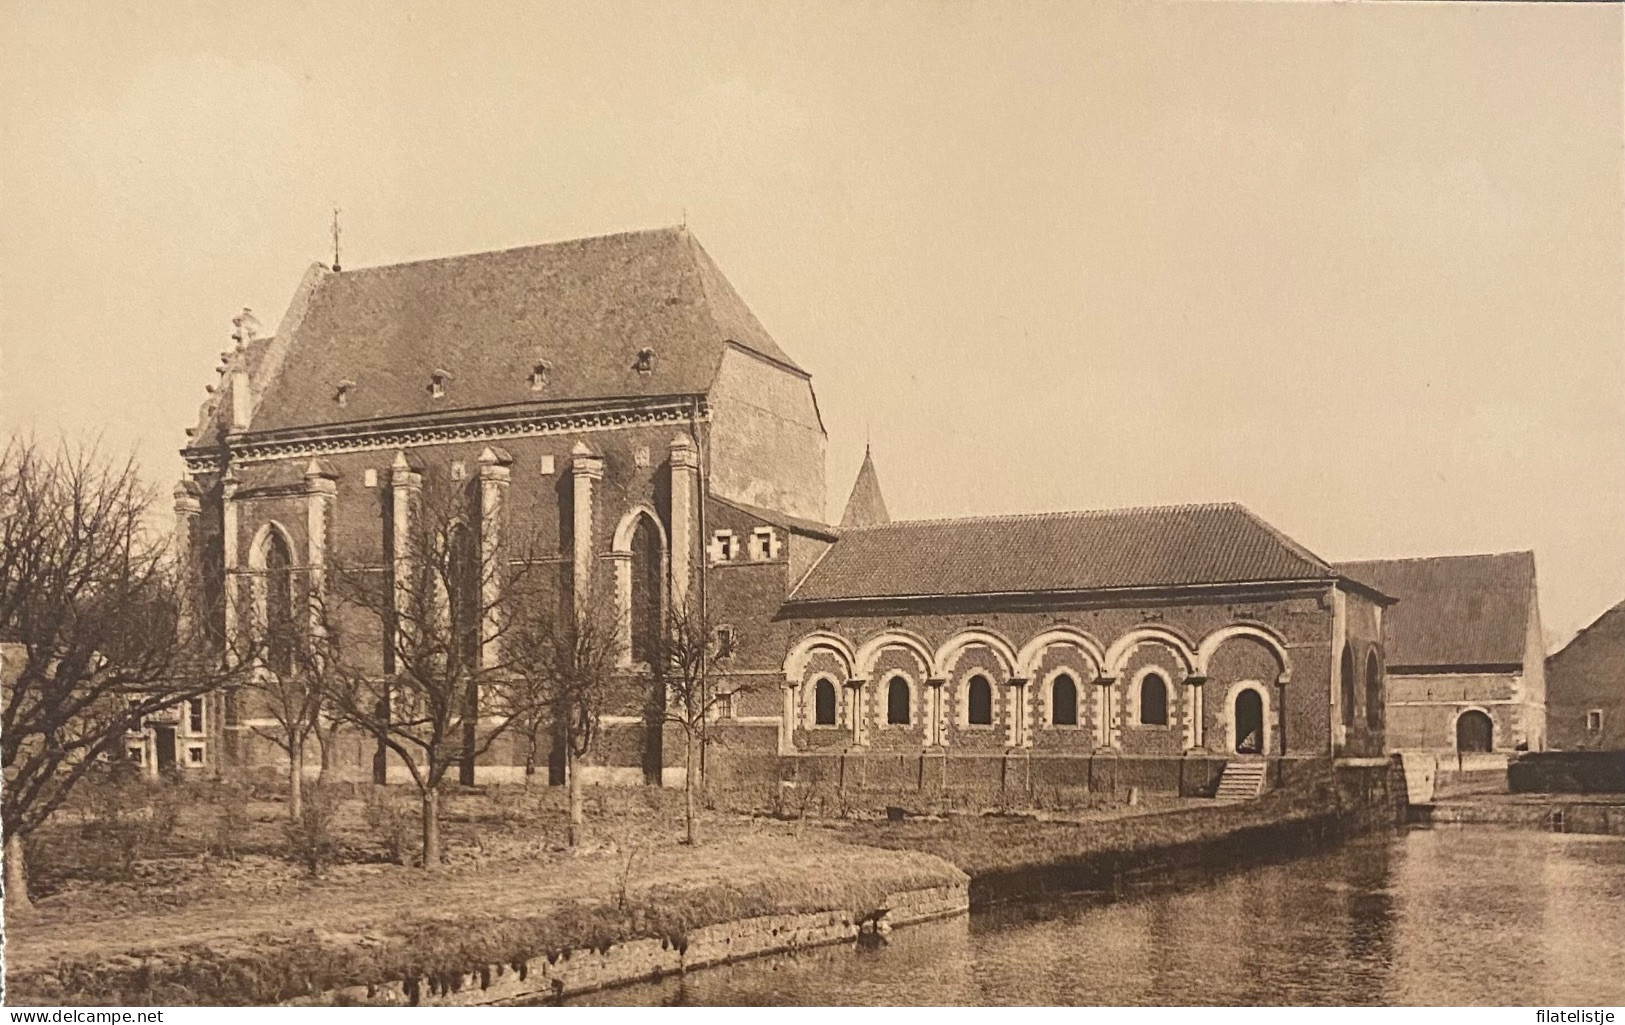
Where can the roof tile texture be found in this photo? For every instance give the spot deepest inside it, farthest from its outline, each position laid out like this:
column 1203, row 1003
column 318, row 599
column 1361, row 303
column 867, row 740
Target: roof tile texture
column 583, row 308
column 1157, row 547
column 1454, row 610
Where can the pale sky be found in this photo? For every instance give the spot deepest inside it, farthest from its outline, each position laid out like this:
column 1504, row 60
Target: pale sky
column 1357, row 266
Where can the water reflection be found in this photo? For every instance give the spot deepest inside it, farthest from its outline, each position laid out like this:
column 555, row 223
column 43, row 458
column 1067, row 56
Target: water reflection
column 1449, row 916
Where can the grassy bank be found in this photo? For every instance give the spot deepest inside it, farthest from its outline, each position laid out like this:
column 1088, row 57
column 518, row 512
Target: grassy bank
column 407, row 927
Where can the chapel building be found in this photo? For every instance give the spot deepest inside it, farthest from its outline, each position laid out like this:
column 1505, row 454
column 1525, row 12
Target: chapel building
column 613, row 402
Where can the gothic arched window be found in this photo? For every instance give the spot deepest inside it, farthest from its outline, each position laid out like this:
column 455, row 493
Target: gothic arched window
column 824, row 703
column 979, row 704
column 1373, row 691
column 279, row 622
column 897, row 702
column 1346, row 690
column 1153, row 700
column 463, row 595
column 644, row 613
column 1063, row 701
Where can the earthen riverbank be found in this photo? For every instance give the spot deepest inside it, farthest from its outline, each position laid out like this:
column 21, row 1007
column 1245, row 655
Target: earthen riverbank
column 533, row 929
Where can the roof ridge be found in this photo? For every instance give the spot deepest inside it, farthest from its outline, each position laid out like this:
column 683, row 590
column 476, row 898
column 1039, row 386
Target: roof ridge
column 1295, row 547
column 674, row 230
column 1053, row 514
column 1436, row 558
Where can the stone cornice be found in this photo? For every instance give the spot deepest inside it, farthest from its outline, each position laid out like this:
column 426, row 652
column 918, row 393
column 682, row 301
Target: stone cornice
column 1039, row 601
column 463, row 426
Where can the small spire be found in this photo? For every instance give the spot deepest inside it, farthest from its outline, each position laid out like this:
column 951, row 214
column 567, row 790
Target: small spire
column 866, row 507
column 336, row 267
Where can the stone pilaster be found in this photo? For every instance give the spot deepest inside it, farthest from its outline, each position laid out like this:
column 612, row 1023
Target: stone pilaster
column 936, row 709
column 1196, row 711
column 1020, row 734
column 855, row 711
column 229, row 544
column 685, row 488
column 321, row 492
column 787, row 719
column 586, row 470
column 406, row 485
column 495, row 477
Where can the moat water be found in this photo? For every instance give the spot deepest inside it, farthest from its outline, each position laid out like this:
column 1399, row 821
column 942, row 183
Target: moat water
column 1474, row 915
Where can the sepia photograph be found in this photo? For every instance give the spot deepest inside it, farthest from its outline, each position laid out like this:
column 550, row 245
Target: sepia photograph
column 889, row 503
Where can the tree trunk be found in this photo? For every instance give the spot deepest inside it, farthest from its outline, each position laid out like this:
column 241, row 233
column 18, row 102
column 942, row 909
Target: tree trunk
column 431, row 828
column 18, row 904
column 688, row 787
column 325, row 740
column 572, row 779
column 296, row 777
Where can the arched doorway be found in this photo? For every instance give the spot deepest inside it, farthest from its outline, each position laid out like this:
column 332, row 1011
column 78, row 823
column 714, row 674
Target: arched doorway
column 1249, row 720
column 1475, row 732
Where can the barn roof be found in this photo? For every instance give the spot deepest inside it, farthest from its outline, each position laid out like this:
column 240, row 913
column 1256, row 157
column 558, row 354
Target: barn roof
column 583, row 310
column 1607, row 630
column 1166, row 546
column 1456, row 610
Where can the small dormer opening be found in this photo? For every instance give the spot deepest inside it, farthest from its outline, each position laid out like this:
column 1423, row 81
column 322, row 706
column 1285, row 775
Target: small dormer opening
column 764, row 544
column 341, row 393
column 539, row 373
column 437, row 384
column 724, row 546
column 646, row 361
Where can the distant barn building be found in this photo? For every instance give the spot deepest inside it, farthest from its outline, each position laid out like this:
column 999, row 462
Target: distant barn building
column 1585, row 687
column 1466, row 665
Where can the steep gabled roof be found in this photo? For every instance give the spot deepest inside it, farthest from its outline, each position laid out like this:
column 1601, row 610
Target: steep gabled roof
column 866, row 507
column 1455, row 610
column 1607, row 631
column 585, row 308
column 1169, row 546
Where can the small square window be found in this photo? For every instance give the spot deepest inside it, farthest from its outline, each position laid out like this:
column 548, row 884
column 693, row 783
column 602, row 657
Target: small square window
column 194, row 755
column 1594, row 721
column 724, row 641
column 723, row 546
column 538, row 374
column 135, row 755
column 764, row 544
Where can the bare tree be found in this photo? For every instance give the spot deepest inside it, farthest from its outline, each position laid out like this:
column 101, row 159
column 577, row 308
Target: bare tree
column 289, row 681
column 444, row 610
column 567, row 656
column 695, row 648
column 102, row 626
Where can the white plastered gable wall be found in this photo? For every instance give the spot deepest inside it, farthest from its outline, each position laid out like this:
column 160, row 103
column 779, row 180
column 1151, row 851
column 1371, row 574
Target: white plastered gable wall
column 767, row 439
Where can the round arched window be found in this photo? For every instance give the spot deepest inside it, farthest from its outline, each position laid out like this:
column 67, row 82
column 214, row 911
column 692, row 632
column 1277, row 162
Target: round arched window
column 824, row 703
column 979, row 702
column 897, row 702
column 1063, row 701
column 1153, row 700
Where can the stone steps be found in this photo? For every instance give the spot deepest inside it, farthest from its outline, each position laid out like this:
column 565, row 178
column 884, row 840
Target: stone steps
column 1242, row 781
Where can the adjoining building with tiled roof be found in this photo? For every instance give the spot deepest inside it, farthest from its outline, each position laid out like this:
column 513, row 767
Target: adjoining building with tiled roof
column 1466, row 661
column 1585, row 687
column 612, row 403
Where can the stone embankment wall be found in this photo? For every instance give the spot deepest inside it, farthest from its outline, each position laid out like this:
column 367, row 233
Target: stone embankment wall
column 582, row 971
